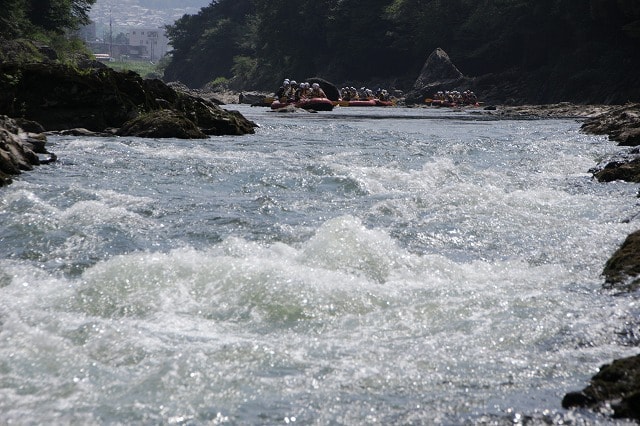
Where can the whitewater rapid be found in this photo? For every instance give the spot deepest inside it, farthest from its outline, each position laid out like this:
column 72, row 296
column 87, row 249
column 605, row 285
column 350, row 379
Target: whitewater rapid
column 349, row 267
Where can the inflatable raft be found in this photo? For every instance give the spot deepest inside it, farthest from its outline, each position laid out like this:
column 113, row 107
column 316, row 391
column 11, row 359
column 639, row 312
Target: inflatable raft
column 316, row 104
column 365, row 103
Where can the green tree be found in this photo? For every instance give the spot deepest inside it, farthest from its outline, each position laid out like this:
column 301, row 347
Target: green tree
column 58, row 15
column 204, row 45
column 24, row 17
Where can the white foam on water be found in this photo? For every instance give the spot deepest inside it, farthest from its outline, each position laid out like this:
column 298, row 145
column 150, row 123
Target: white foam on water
column 456, row 290
column 348, row 312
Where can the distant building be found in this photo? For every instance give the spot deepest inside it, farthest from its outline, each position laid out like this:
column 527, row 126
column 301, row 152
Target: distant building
column 154, row 39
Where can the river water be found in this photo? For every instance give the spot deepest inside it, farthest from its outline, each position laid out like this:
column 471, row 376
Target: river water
column 360, row 266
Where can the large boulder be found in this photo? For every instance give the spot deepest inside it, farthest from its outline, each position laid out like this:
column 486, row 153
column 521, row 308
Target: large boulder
column 162, row 124
column 437, row 69
column 438, row 73
column 328, row 88
column 63, row 97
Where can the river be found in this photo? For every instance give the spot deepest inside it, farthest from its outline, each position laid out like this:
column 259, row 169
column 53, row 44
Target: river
column 360, row 266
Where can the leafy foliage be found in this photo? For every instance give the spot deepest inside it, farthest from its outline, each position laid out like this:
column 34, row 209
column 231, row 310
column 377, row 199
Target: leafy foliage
column 21, row 18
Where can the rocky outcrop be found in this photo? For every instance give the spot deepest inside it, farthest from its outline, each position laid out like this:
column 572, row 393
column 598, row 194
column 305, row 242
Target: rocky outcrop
column 438, row 69
column 254, row 98
column 162, row 124
column 616, row 384
column 19, row 150
column 623, row 166
column 621, row 123
column 61, row 97
column 437, row 74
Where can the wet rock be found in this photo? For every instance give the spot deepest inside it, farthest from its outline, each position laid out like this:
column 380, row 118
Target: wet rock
column 617, row 384
column 253, row 98
column 437, row 69
column 625, row 168
column 30, row 125
column 61, row 97
column 212, row 119
column 80, row 131
column 557, row 110
column 622, row 269
column 621, row 123
column 162, row 124
column 438, row 73
column 292, row 109
column 16, row 154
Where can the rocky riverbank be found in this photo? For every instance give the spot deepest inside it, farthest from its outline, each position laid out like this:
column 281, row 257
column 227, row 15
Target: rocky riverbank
column 20, row 150
column 41, row 95
column 102, row 100
column 616, row 387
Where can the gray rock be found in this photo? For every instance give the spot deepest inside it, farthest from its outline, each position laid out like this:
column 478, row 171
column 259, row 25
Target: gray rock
column 438, row 73
column 16, row 154
column 438, row 69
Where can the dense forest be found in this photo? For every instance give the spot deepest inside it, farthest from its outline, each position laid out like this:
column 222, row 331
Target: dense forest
column 42, row 18
column 550, row 50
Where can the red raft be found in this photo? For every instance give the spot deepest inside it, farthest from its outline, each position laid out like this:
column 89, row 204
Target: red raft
column 366, row 103
column 316, row 104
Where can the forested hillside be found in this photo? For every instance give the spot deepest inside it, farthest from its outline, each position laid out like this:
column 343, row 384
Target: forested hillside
column 29, row 18
column 539, row 50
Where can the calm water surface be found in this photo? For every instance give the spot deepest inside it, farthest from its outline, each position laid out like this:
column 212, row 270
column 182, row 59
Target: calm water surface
column 360, row 266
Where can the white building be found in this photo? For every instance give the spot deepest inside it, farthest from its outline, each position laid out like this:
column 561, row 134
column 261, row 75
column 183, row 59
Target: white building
column 154, row 39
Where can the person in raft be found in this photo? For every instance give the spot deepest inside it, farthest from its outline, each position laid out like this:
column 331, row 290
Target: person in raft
column 280, row 93
column 290, row 93
column 304, row 91
column 316, row 91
